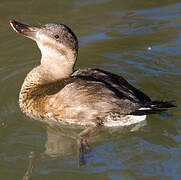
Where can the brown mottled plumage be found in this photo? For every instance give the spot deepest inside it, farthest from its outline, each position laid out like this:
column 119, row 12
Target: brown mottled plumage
column 42, row 100
column 55, row 91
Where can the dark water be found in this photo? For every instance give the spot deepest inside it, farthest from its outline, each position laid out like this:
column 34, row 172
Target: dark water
column 139, row 39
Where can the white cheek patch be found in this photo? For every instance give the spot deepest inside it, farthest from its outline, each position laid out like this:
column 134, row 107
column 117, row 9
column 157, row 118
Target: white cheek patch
column 47, row 51
column 54, row 50
column 43, row 38
column 50, row 48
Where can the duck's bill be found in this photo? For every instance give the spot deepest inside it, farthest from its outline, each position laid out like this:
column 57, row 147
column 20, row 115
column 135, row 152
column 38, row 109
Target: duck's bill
column 26, row 30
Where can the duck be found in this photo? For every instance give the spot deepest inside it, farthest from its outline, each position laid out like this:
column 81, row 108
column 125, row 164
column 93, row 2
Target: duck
column 91, row 97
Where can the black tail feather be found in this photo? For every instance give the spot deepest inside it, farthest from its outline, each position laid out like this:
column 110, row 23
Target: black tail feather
column 161, row 104
column 153, row 107
column 147, row 112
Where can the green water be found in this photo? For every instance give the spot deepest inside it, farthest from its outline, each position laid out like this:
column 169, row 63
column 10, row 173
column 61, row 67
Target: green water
column 140, row 40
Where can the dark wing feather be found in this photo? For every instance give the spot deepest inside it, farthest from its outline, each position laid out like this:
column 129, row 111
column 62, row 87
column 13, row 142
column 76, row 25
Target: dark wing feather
column 115, row 81
column 126, row 91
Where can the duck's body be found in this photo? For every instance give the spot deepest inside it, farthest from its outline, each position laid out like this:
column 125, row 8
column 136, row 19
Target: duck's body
column 54, row 91
column 87, row 97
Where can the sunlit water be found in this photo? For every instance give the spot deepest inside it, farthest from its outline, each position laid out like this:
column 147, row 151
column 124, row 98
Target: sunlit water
column 140, row 40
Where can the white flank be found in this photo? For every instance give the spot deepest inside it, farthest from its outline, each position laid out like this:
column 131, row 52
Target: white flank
column 126, row 121
column 144, row 108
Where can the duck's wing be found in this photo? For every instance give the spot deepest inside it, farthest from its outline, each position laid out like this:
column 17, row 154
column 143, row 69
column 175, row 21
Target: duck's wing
column 139, row 102
column 115, row 81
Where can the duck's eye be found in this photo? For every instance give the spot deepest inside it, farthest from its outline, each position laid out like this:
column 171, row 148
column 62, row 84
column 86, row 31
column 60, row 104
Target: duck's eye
column 56, row 36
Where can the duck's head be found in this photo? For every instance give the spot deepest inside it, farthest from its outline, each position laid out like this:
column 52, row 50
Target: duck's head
column 57, row 43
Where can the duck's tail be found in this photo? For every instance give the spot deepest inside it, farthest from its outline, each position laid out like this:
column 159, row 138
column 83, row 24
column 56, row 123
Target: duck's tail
column 153, row 107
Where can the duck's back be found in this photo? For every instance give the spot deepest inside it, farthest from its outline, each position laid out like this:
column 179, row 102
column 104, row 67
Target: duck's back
column 115, row 82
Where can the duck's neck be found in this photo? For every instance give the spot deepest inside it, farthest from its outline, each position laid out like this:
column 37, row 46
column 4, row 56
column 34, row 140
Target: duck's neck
column 57, row 61
column 52, row 69
column 56, row 65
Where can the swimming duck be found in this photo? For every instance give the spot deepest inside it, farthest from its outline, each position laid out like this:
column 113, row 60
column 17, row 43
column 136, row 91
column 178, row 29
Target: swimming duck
column 54, row 91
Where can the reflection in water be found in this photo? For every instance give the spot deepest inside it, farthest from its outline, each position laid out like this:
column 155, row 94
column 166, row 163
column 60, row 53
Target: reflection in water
column 61, row 140
column 30, row 167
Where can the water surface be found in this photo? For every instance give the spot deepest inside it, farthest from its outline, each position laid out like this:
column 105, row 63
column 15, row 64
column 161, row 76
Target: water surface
column 140, row 40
